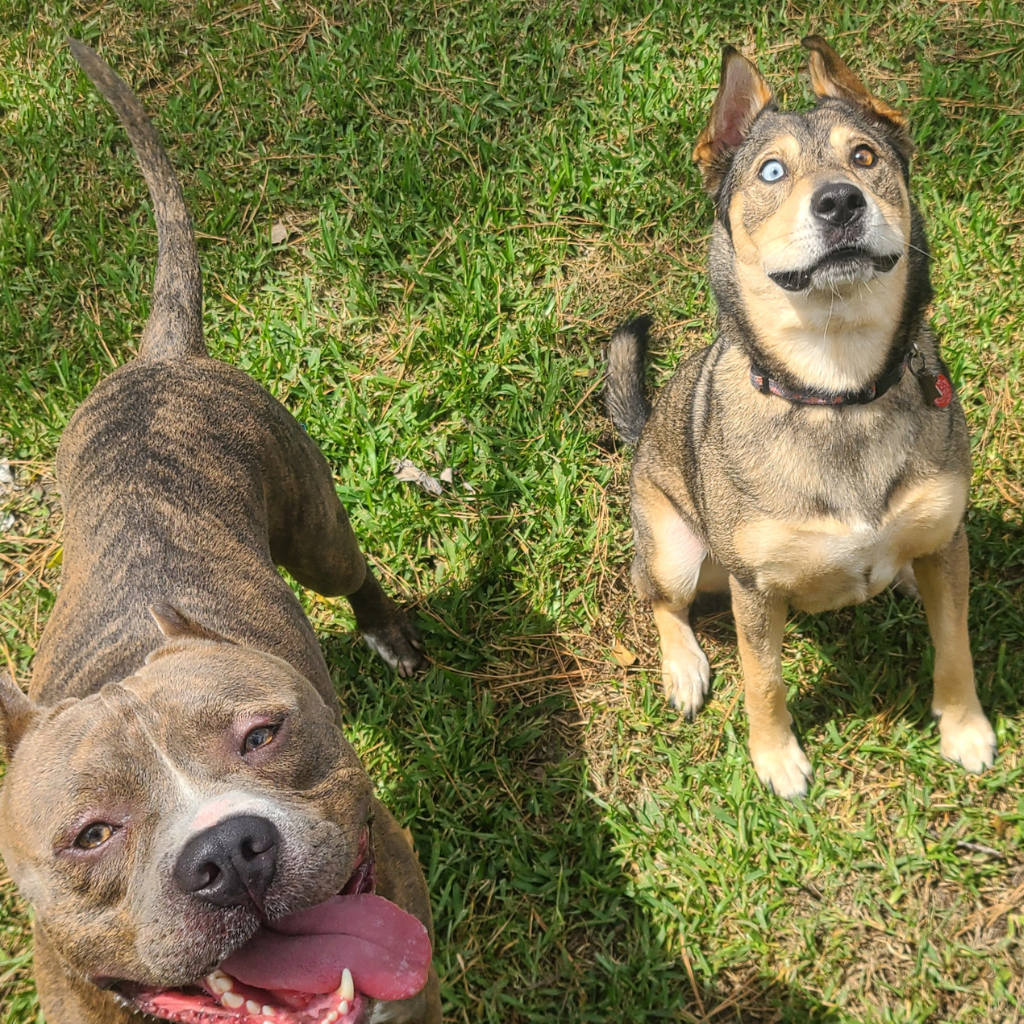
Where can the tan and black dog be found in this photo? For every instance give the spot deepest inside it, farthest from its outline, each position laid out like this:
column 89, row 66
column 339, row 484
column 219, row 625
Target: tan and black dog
column 816, row 451
column 198, row 840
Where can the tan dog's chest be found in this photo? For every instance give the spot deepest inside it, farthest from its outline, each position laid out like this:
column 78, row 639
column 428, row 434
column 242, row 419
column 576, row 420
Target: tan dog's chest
column 827, row 562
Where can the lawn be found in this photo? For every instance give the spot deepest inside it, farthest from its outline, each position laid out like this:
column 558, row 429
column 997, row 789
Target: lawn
column 418, row 223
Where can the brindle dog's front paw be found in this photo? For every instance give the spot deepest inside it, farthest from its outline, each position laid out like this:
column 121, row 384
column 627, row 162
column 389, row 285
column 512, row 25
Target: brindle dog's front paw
column 783, row 767
column 398, row 643
column 968, row 739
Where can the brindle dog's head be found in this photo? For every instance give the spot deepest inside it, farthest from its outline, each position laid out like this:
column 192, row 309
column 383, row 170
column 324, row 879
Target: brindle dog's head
column 816, row 238
column 157, row 825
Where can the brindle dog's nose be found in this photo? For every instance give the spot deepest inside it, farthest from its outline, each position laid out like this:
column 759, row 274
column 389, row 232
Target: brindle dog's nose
column 230, row 864
column 838, row 203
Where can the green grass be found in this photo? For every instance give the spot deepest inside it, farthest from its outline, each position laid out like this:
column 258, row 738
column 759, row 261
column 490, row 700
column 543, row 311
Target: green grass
column 478, row 192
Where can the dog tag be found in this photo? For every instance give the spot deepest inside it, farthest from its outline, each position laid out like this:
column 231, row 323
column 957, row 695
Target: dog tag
column 937, row 390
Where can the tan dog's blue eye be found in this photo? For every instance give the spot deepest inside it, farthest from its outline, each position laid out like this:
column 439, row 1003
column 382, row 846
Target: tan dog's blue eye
column 94, row 835
column 259, row 737
column 864, row 156
column 771, row 170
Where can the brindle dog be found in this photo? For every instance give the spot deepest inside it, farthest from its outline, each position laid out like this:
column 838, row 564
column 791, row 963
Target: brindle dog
column 181, row 808
column 816, row 451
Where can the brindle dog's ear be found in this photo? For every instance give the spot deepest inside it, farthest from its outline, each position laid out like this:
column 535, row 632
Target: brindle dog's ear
column 176, row 625
column 16, row 715
column 831, row 78
column 742, row 95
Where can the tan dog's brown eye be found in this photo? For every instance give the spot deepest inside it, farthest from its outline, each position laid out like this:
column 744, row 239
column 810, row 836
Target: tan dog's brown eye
column 94, row 835
column 259, row 737
column 864, row 156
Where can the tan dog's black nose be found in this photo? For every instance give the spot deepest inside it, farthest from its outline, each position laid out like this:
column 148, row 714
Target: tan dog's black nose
column 838, row 203
column 230, row 864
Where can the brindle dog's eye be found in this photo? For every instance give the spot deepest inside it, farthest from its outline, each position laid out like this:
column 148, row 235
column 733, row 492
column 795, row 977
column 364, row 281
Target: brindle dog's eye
column 259, row 737
column 94, row 835
column 864, row 156
column 771, row 170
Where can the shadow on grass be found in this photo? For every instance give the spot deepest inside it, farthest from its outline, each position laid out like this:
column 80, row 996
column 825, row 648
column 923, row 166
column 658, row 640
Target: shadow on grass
column 485, row 759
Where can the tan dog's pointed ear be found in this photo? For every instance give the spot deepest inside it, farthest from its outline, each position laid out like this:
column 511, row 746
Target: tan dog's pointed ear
column 832, row 78
column 176, row 625
column 16, row 715
column 742, row 95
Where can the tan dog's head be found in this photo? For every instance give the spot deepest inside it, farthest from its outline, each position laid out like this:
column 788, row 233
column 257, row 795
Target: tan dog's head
column 205, row 810
column 816, row 238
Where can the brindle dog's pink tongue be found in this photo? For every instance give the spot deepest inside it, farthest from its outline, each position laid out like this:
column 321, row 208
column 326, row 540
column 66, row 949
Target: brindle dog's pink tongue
column 386, row 949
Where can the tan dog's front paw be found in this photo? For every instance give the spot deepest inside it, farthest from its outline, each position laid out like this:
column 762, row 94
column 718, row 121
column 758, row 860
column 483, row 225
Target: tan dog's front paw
column 782, row 767
column 686, row 676
column 968, row 739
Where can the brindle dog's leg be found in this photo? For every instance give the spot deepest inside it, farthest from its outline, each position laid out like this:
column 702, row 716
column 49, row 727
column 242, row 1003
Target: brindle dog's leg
column 667, row 571
column 778, row 760
column 310, row 535
column 942, row 578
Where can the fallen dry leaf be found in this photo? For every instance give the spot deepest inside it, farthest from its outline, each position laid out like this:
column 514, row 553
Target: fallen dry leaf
column 408, row 472
column 622, row 655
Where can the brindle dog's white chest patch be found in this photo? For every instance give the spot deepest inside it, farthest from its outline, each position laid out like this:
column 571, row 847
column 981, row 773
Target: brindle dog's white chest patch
column 830, row 563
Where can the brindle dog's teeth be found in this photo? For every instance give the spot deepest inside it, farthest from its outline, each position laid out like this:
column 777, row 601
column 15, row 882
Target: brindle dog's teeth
column 220, row 982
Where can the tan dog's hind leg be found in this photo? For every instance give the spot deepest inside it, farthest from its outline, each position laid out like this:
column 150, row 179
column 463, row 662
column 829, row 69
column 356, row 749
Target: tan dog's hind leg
column 685, row 671
column 668, row 563
column 778, row 760
column 942, row 579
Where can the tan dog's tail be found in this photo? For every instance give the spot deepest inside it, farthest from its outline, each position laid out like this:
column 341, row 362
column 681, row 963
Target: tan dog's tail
column 175, row 326
column 624, row 380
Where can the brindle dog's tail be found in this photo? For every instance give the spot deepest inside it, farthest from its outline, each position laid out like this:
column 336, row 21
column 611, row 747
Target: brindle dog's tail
column 624, row 381
column 175, row 326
